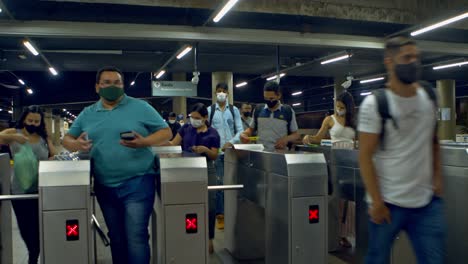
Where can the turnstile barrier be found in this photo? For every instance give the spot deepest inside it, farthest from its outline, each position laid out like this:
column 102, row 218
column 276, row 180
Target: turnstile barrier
column 65, row 212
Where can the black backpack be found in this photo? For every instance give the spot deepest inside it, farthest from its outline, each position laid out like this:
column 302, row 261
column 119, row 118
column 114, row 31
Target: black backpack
column 382, row 104
column 231, row 109
column 288, row 115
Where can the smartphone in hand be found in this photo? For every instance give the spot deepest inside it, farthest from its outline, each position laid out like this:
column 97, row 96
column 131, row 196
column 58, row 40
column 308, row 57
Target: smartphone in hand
column 129, row 135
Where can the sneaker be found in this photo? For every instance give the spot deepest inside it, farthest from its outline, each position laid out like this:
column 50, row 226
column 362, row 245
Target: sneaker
column 220, row 222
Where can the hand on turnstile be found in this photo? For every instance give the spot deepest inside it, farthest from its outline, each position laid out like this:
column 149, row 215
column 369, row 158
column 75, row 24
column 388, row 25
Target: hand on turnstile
column 281, row 143
column 200, row 149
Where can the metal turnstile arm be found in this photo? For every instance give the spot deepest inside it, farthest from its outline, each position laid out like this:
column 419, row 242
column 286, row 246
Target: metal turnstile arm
column 225, row 187
column 19, row 197
column 97, row 226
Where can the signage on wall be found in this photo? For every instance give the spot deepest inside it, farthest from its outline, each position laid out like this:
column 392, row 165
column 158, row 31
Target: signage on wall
column 173, row 88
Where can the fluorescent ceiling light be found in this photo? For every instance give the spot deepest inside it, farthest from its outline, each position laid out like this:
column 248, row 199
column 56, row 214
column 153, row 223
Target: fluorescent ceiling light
column 366, row 93
column 440, row 24
column 372, row 80
column 241, row 84
column 296, row 93
column 344, row 57
column 450, row 65
column 276, row 76
column 0, row 10
column 30, row 47
column 184, row 52
column 224, row 10
column 21, row 81
column 297, row 104
column 64, row 110
column 53, row 71
column 132, row 83
column 1, row 109
column 30, row 91
column 10, row 111
column 160, row 74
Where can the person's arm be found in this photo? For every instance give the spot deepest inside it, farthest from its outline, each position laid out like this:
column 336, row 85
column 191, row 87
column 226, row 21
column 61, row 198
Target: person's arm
column 368, row 144
column 308, row 139
column 176, row 141
column 239, row 126
column 9, row 136
column 370, row 127
column 437, row 181
column 52, row 150
column 211, row 153
column 293, row 136
column 244, row 136
column 80, row 143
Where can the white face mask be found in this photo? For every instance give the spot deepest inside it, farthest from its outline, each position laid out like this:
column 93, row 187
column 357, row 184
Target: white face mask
column 196, row 123
column 171, row 122
column 221, row 97
column 341, row 112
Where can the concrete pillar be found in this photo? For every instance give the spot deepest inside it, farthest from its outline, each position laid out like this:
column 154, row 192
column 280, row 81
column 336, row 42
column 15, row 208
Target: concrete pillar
column 179, row 103
column 57, row 127
column 447, row 122
column 48, row 119
column 226, row 77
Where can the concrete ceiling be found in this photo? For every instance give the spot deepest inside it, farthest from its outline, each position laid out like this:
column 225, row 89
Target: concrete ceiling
column 140, row 35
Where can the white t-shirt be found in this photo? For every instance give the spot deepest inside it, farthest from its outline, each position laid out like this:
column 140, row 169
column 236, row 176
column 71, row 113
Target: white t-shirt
column 405, row 166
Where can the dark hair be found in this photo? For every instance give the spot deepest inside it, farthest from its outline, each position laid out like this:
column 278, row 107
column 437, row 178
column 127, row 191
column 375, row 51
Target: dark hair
column 172, row 114
column 108, row 69
column 393, row 45
column 348, row 100
column 41, row 131
column 223, row 86
column 272, row 87
column 202, row 110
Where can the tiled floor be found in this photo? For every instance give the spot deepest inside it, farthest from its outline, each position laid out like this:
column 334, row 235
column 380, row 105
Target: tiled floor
column 221, row 256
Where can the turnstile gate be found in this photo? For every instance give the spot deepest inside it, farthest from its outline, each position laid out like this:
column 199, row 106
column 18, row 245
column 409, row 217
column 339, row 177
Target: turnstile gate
column 65, row 212
column 179, row 227
column 455, row 193
column 281, row 214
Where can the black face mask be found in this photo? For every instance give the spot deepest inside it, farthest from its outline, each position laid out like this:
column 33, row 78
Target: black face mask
column 247, row 114
column 408, row 73
column 31, row 128
column 272, row 104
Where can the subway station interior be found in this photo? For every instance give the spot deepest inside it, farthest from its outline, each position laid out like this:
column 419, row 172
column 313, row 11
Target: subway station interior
column 305, row 203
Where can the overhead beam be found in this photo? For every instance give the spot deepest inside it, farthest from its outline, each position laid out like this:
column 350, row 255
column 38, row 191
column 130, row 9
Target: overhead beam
column 88, row 30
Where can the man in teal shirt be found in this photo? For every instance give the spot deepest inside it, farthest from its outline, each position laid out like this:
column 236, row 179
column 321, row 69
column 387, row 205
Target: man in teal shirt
column 123, row 168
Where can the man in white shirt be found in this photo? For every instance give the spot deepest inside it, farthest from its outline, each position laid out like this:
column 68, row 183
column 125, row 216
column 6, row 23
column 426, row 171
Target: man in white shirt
column 401, row 171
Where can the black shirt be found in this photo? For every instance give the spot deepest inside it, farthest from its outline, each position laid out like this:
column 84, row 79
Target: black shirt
column 174, row 128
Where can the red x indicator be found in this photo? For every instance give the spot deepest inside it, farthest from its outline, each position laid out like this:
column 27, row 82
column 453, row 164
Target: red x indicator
column 314, row 215
column 72, row 230
column 191, row 224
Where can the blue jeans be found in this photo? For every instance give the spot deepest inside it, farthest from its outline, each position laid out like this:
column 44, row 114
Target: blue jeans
column 219, row 164
column 425, row 227
column 127, row 210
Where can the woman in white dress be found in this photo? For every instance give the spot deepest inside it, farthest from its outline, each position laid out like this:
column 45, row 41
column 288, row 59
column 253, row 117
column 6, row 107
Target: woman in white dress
column 341, row 126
